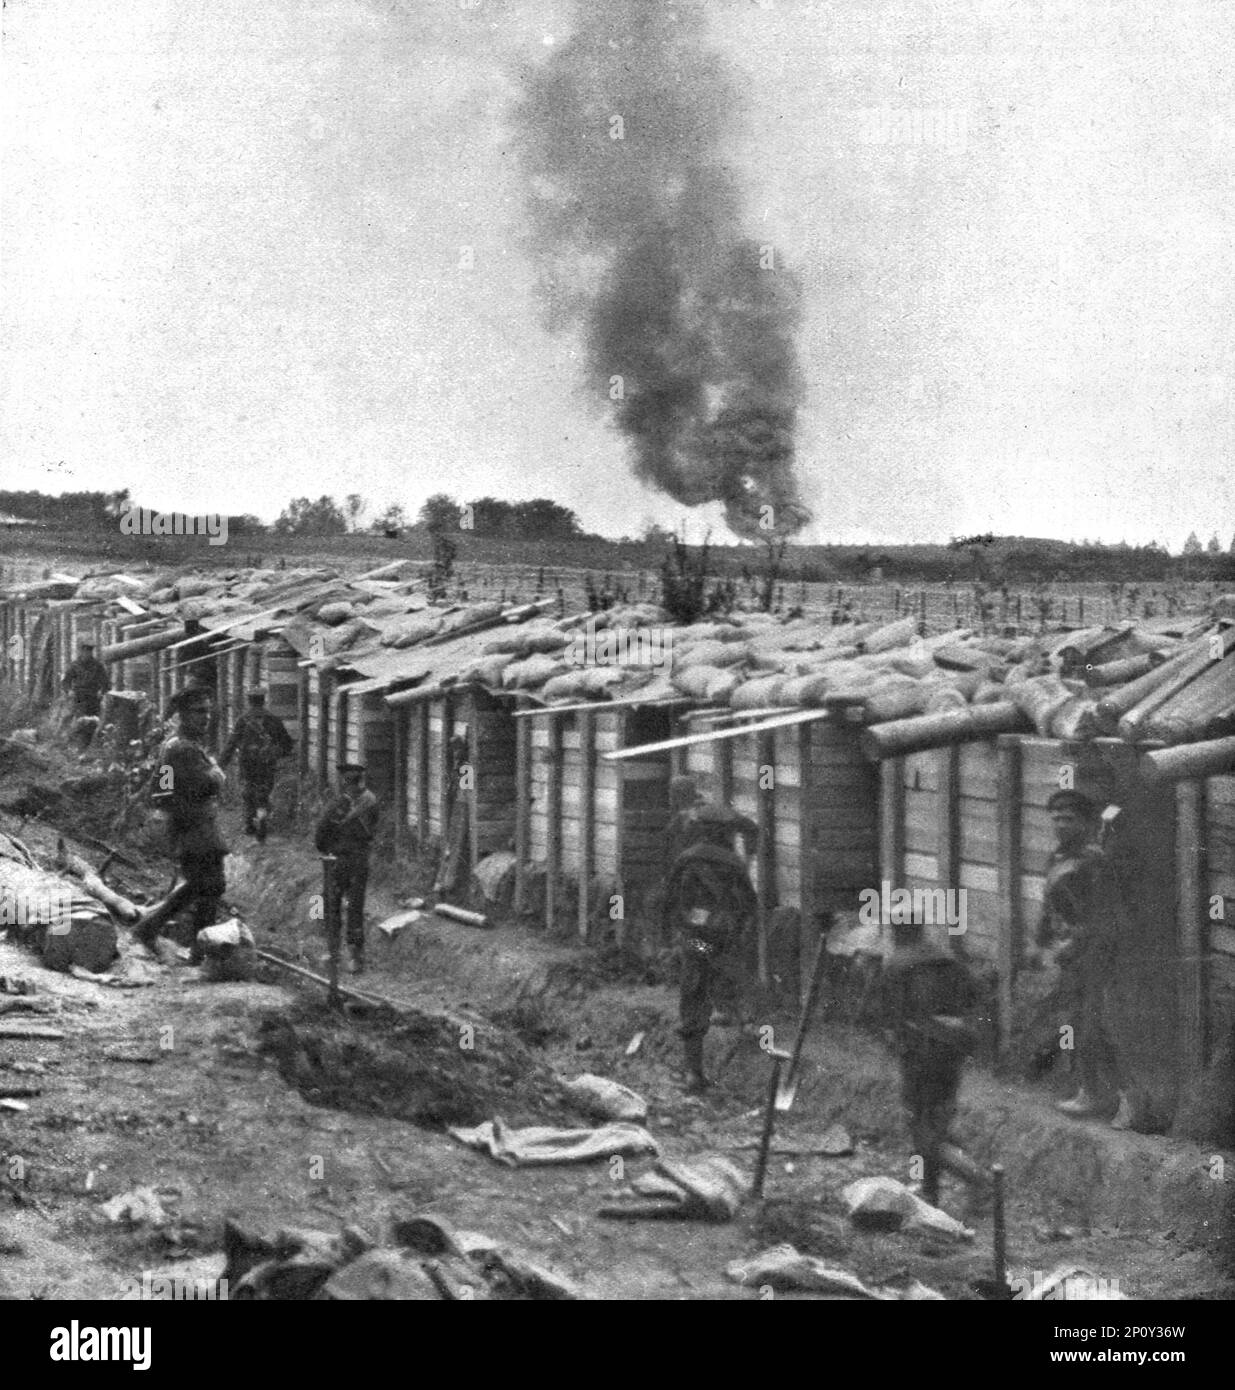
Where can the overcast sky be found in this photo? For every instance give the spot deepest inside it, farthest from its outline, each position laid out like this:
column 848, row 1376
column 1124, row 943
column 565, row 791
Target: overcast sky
column 232, row 236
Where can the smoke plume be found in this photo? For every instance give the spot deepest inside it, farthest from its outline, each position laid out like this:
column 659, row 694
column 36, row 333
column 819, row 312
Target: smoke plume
column 688, row 325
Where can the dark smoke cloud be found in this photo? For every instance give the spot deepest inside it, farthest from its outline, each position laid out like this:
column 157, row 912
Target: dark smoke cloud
column 639, row 245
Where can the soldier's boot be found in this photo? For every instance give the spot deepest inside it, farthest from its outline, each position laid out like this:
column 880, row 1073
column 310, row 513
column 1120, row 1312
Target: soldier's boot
column 1080, row 1107
column 696, row 1079
column 260, row 831
column 147, row 928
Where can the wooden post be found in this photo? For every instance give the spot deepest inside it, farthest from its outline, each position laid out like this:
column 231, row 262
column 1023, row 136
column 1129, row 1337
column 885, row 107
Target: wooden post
column 892, row 821
column 1190, row 928
column 302, row 715
column 523, row 808
column 947, row 807
column 401, row 716
column 423, row 754
column 473, row 792
column 766, row 887
column 446, row 791
column 553, row 823
column 587, row 814
column 724, row 753
column 1009, row 947
column 619, row 834
column 922, row 612
column 807, row 904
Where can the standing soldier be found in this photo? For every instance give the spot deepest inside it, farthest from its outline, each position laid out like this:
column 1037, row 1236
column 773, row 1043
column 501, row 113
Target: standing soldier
column 346, row 830
column 1081, row 911
column 262, row 740
column 88, row 682
column 709, row 907
column 186, row 786
column 928, row 1001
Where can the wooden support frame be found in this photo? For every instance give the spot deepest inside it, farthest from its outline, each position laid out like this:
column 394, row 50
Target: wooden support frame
column 1010, row 945
column 523, row 810
column 766, row 886
column 446, row 792
column 679, row 744
column 553, row 825
column 401, row 719
column 422, row 773
column 1190, row 869
column 947, row 803
column 892, row 821
column 586, row 725
column 809, row 938
column 473, row 794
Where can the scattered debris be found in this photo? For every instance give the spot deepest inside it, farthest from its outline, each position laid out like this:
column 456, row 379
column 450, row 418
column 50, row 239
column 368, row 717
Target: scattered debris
column 461, row 914
column 17, row 1092
column 609, row 1100
column 708, row 1188
column 883, row 1204
column 539, row 1144
column 140, row 1207
column 635, row 1044
column 17, row 1106
column 394, row 926
column 17, row 1033
column 782, row 1267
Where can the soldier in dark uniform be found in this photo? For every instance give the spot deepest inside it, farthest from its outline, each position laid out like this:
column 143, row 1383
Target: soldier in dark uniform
column 262, row 740
column 928, row 1001
column 684, row 804
column 1082, row 908
column 709, row 907
column 88, row 681
column 186, row 787
column 346, row 830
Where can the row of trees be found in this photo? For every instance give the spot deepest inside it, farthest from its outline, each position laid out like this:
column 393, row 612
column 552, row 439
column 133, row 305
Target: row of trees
column 538, row 519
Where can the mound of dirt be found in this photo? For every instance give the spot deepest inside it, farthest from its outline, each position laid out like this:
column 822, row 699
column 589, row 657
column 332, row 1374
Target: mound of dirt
column 431, row 1071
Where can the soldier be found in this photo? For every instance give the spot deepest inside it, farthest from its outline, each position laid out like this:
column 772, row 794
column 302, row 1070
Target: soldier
column 928, row 998
column 709, row 906
column 346, row 830
column 684, row 803
column 88, row 680
column 262, row 741
column 186, row 787
column 1081, row 910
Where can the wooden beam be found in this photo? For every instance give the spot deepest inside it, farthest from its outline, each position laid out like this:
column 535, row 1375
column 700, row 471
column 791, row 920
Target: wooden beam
column 523, row 811
column 553, row 824
column 400, row 780
column 892, row 821
column 473, row 795
column 600, row 706
column 808, row 934
column 619, row 827
column 947, row 809
column 446, row 790
column 766, row 887
column 587, row 813
column 1190, row 929
column 423, row 755
column 783, row 721
column 724, row 753
column 1010, row 945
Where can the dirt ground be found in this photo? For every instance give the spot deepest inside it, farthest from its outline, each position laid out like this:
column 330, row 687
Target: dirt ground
column 251, row 1100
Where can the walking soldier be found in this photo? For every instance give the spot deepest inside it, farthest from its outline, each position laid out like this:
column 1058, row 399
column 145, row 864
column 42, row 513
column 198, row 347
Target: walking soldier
column 262, row 740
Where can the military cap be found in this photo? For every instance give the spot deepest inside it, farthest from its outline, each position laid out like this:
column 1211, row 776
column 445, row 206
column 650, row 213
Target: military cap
column 714, row 815
column 1072, row 801
column 344, row 768
column 256, row 695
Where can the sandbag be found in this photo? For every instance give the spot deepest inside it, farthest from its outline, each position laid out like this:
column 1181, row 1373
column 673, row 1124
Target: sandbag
column 897, row 634
column 533, row 671
column 409, row 631
column 808, row 690
column 710, row 654
column 762, row 693
column 335, row 613
column 694, row 680
column 1040, row 698
column 720, row 688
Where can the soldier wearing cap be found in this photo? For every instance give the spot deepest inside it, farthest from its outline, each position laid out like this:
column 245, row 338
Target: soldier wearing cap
column 186, row 788
column 928, row 1003
column 1081, row 912
column 709, row 906
column 88, row 681
column 346, row 831
column 262, row 740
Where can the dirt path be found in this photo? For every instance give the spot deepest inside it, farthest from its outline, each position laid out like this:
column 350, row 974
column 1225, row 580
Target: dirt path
column 169, row 1086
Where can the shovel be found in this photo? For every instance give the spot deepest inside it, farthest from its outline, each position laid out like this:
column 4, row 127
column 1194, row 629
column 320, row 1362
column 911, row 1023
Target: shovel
column 788, row 1087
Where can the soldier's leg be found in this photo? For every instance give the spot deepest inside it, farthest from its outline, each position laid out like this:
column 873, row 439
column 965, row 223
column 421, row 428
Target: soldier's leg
column 916, row 1095
column 248, row 797
column 208, row 884
column 262, row 787
column 694, row 1011
column 355, row 915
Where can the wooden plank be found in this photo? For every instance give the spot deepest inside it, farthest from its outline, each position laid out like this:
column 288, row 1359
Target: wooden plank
column 766, row 820
column 400, row 781
column 422, row 770
column 923, row 866
column 947, row 807
column 892, row 820
column 553, row 824
column 724, row 755
column 1191, row 928
column 807, row 716
column 587, row 828
column 1010, row 943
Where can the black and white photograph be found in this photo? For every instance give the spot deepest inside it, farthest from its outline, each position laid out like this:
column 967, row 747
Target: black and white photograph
column 617, row 665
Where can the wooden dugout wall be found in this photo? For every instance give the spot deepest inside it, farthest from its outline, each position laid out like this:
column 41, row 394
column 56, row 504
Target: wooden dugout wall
column 588, row 821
